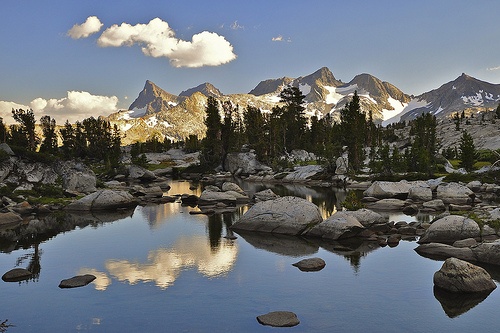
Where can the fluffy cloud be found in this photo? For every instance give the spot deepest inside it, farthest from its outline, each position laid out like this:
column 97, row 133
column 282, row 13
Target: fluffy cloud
column 77, row 105
column 157, row 39
column 493, row 68
column 6, row 110
column 278, row 38
column 89, row 27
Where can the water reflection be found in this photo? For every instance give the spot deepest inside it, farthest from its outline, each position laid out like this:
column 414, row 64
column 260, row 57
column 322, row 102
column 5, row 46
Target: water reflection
column 456, row 304
column 163, row 266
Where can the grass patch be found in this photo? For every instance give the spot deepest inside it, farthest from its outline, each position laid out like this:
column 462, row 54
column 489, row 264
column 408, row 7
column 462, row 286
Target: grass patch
column 455, row 163
column 162, row 165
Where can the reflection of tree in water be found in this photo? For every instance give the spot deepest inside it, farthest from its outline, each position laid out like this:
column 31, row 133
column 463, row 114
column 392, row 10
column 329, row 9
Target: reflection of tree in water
column 355, row 260
column 214, row 226
column 34, row 265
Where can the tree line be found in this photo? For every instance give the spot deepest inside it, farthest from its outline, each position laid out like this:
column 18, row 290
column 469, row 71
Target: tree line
column 92, row 138
column 273, row 135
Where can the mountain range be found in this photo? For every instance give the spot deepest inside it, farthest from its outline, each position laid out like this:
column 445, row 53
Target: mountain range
column 157, row 112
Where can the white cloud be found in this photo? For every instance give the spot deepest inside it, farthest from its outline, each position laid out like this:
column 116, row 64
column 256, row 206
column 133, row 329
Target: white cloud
column 278, row 38
column 78, row 105
column 89, row 27
column 158, row 40
column 493, row 68
column 6, row 110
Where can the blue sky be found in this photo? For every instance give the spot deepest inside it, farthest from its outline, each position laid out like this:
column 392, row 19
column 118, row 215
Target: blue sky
column 415, row 45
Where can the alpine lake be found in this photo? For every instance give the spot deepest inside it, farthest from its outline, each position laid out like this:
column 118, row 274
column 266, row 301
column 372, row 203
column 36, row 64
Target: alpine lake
column 161, row 269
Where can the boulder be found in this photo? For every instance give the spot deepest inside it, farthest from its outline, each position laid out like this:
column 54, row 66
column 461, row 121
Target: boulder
column 5, row 148
column 9, row 218
column 435, row 205
column 474, row 186
column 246, row 163
column 77, row 281
column 420, row 193
column 386, row 190
column 103, row 200
column 285, row 215
column 338, row 226
column 149, row 192
column 208, row 197
column 367, row 217
column 451, row 228
column 342, row 165
column 488, row 253
column 310, row 265
column 76, row 177
column 229, row 186
column 454, row 193
column 460, row 276
column 136, row 172
column 387, row 204
column 302, row 173
column 16, row 275
column 468, row 242
column 265, row 195
column 279, row 319
column 443, row 251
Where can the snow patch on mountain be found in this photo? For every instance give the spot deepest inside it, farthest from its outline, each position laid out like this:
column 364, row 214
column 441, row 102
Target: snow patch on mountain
column 397, row 106
column 414, row 104
column 304, row 88
column 135, row 113
column 333, row 96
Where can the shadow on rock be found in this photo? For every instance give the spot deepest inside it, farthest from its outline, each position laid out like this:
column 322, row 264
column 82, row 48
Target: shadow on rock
column 291, row 246
column 455, row 304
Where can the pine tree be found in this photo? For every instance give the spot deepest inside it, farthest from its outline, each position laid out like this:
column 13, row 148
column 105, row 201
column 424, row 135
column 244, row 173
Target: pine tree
column 68, row 139
column 468, row 154
column 26, row 120
column 212, row 146
column 255, row 131
column 292, row 116
column 353, row 125
column 49, row 143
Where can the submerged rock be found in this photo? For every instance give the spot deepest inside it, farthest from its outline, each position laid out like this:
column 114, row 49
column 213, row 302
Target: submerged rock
column 16, row 275
column 310, row 265
column 460, row 276
column 77, row 281
column 279, row 319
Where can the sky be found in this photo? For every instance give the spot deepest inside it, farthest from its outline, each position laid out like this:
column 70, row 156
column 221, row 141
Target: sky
column 75, row 59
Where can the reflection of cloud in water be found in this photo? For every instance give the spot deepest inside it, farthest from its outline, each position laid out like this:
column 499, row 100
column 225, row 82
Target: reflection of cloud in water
column 164, row 265
column 101, row 282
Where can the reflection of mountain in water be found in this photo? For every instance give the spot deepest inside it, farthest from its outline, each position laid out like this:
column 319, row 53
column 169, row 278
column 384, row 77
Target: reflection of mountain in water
column 157, row 215
column 164, row 266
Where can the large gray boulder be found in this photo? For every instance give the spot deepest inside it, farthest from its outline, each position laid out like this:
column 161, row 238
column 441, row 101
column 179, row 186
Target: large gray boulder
column 385, row 190
column 76, row 177
column 488, row 253
column 420, row 193
column 454, row 193
column 136, row 172
column 265, row 195
column 104, row 200
column 387, row 204
column 460, row 276
column 285, row 215
column 444, row 251
column 302, row 173
column 245, row 163
column 451, row 228
column 209, row 197
column 367, row 217
column 338, row 226
column 229, row 186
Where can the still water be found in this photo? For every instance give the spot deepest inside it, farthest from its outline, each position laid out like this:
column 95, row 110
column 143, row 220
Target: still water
column 160, row 269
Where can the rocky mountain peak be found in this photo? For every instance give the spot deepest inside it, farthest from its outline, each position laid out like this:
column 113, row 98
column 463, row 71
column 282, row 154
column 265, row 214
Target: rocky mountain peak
column 151, row 99
column 271, row 86
column 206, row 89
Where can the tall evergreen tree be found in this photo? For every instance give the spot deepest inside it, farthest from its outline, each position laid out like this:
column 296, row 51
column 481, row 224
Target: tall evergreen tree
column 3, row 131
column 68, row 139
column 424, row 146
column 468, row 154
column 292, row 116
column 26, row 120
column 353, row 126
column 49, row 143
column 255, row 131
column 212, row 145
